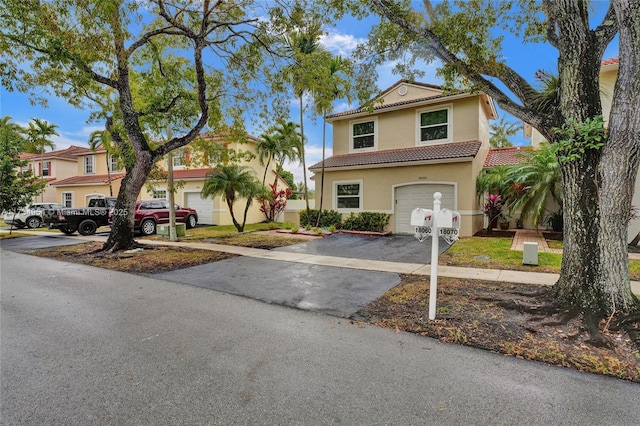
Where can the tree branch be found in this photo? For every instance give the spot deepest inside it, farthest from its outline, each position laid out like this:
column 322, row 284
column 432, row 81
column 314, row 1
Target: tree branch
column 552, row 35
column 148, row 36
column 519, row 86
column 606, row 31
column 162, row 110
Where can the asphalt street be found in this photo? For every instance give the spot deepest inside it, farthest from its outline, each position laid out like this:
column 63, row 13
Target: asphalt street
column 81, row 346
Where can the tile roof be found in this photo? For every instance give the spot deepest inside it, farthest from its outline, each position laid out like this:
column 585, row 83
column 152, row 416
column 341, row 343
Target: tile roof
column 191, row 173
column 504, row 156
column 407, row 155
column 610, row 61
column 395, row 104
column 69, row 153
column 88, row 179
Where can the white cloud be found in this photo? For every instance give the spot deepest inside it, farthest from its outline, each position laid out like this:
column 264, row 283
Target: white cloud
column 313, row 155
column 341, row 44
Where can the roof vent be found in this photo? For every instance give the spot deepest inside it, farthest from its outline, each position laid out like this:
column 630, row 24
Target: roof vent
column 402, row 90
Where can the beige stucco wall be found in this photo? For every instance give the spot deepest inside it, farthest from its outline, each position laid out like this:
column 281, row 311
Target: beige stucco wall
column 378, row 188
column 60, row 169
column 413, row 92
column 82, row 193
column 607, row 85
column 398, row 129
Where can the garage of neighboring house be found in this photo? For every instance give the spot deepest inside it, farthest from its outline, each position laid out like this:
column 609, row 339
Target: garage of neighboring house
column 204, row 207
column 411, row 196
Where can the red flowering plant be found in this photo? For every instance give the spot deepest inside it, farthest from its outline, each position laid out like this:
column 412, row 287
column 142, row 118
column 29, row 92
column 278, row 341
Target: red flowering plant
column 493, row 209
column 273, row 203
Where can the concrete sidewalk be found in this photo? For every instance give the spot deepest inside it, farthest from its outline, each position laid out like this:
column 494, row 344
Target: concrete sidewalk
column 498, row 275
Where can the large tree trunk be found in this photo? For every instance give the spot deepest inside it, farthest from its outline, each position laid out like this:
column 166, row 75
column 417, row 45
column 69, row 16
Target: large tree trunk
column 619, row 166
column 121, row 236
column 580, row 259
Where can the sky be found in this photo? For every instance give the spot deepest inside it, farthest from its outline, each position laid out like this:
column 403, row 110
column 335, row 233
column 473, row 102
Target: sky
column 342, row 38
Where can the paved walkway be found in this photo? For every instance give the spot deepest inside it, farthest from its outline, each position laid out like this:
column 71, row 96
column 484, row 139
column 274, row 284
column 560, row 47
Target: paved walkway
column 499, row 275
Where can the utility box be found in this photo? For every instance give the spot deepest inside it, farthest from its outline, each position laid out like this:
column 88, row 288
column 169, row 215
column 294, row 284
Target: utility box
column 530, row 254
column 163, row 230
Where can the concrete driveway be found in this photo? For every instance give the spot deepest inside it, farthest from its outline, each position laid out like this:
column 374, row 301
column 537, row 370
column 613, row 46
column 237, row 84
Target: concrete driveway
column 394, row 248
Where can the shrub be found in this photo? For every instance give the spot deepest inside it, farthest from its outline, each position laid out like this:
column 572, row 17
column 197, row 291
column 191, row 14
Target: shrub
column 367, row 221
column 328, row 218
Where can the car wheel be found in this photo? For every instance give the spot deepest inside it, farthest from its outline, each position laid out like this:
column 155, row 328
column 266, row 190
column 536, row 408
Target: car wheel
column 148, row 227
column 191, row 221
column 34, row 222
column 68, row 231
column 87, row 227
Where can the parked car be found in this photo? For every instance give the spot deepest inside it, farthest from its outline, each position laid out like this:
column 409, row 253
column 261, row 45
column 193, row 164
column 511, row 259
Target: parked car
column 30, row 216
column 85, row 220
column 149, row 214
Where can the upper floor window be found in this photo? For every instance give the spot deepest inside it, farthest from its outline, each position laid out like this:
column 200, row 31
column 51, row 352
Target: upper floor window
column 46, row 168
column 113, row 164
column 179, row 157
column 434, row 125
column 89, row 165
column 364, row 135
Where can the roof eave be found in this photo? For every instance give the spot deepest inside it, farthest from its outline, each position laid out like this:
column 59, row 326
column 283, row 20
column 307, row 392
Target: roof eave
column 396, row 164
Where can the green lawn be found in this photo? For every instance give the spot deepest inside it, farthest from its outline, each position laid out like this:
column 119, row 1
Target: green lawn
column 222, row 231
column 473, row 252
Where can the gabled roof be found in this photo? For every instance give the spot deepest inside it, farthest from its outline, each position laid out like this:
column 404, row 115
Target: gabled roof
column 432, row 98
column 88, row 180
column 65, row 154
column 406, row 156
column 505, row 156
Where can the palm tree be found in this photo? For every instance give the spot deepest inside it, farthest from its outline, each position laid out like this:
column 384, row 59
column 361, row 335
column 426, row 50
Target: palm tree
column 540, row 177
column 501, row 132
column 289, row 144
column 267, row 149
column 336, row 87
column 38, row 140
column 232, row 181
column 305, row 49
column 103, row 137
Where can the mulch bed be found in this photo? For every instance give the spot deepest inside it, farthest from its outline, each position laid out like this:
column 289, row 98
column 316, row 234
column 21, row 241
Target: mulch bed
column 503, row 318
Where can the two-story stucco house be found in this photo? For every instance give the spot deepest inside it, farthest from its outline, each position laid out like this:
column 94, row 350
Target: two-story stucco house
column 190, row 168
column 417, row 140
column 97, row 174
column 53, row 166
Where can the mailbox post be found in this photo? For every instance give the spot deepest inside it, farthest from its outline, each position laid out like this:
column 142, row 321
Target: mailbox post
column 436, row 223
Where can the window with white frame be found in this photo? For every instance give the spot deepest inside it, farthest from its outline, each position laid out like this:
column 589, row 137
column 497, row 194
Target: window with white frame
column 434, row 125
column 179, row 157
column 363, row 135
column 67, row 199
column 159, row 193
column 46, row 168
column 89, row 165
column 113, row 164
column 348, row 195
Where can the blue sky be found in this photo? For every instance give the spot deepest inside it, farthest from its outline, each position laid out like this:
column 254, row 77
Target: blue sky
column 340, row 39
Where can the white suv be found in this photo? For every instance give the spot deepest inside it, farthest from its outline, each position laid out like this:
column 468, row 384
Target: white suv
column 30, row 217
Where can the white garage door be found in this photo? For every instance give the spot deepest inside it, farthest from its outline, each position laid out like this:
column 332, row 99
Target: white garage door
column 411, row 196
column 204, row 207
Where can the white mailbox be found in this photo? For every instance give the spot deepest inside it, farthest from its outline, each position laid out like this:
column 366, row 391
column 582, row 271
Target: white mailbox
column 445, row 219
column 421, row 217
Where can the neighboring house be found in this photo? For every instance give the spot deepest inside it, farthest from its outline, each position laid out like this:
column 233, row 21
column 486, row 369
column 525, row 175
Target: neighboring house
column 53, row 166
column 190, row 171
column 91, row 178
column 417, row 140
column 608, row 76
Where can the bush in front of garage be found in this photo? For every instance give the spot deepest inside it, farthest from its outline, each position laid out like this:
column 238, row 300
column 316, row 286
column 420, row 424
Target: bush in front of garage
column 367, row 221
column 327, row 219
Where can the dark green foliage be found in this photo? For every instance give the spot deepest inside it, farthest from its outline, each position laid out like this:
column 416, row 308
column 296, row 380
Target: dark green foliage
column 327, row 218
column 367, row 221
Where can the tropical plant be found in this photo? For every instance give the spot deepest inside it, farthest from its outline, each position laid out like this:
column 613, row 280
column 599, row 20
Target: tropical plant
column 103, row 138
column 367, row 222
column 232, row 182
column 492, row 208
column 539, row 176
column 17, row 187
column 501, row 131
column 273, row 203
column 38, row 139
